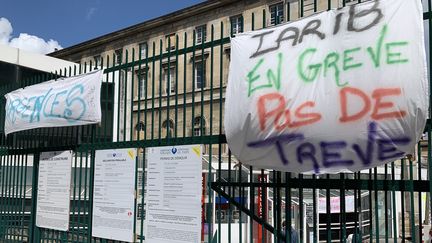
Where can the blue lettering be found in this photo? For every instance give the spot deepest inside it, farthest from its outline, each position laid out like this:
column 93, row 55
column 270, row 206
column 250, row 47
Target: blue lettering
column 387, row 149
column 307, row 151
column 366, row 156
column 55, row 102
column 333, row 158
column 70, row 100
column 38, row 106
column 28, row 107
column 45, row 105
column 278, row 140
column 331, row 151
column 66, row 104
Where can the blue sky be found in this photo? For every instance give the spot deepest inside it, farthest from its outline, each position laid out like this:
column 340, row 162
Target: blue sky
column 70, row 22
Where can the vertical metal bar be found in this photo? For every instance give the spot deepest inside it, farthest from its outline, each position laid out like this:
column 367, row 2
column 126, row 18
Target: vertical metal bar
column 412, row 213
column 142, row 196
column 221, row 76
column 301, row 208
column 193, row 83
column 33, row 235
column 343, row 225
column 211, row 79
column 160, row 89
column 140, row 95
column 75, row 204
column 419, row 178
column 395, row 235
column 120, row 81
column 184, row 85
column 288, row 213
column 125, row 83
column 230, row 192
column 241, row 200
column 153, row 91
column 168, row 93
column 146, row 96
column 251, row 204
column 386, row 192
column 371, row 232
column 264, row 196
column 429, row 142
column 402, row 178
column 176, row 87
column 132, row 95
column 328, row 213
column 315, row 213
column 377, row 228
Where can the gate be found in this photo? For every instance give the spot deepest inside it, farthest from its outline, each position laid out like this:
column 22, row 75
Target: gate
column 150, row 97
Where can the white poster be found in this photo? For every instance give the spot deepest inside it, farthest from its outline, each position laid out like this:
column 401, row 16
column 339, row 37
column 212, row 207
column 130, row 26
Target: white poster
column 339, row 91
column 174, row 187
column 55, row 103
column 114, row 194
column 53, row 195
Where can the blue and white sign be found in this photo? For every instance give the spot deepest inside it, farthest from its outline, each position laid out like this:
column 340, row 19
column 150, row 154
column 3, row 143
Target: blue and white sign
column 55, row 103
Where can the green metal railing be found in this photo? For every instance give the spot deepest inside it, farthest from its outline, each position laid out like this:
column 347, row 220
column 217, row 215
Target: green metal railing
column 242, row 204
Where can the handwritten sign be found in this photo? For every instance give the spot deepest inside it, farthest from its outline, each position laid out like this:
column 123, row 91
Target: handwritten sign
column 65, row 102
column 343, row 90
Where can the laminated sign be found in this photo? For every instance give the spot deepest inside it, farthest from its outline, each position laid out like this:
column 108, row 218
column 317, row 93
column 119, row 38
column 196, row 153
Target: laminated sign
column 65, row 102
column 339, row 91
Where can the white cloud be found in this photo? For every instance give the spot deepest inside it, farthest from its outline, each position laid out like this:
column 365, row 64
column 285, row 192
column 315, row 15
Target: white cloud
column 5, row 30
column 26, row 41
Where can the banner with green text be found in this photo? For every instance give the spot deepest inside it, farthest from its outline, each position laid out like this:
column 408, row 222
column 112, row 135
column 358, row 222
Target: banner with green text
column 340, row 91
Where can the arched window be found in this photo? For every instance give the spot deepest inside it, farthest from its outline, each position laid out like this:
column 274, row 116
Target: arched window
column 168, row 126
column 140, row 126
column 199, row 126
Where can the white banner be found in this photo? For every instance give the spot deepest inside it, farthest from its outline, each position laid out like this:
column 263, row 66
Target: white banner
column 53, row 194
column 114, row 194
column 65, row 102
column 342, row 90
column 173, row 212
column 335, row 204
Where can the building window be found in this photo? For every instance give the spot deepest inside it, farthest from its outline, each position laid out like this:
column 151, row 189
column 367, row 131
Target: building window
column 170, row 41
column 140, row 127
column 200, row 81
column 199, row 126
column 118, row 56
column 142, row 77
column 276, row 14
column 143, row 50
column 168, row 126
column 97, row 60
column 170, row 80
column 236, row 24
column 201, row 34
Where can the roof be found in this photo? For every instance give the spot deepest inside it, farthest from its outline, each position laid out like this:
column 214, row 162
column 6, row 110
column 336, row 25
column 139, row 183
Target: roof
column 146, row 25
column 32, row 60
column 29, row 64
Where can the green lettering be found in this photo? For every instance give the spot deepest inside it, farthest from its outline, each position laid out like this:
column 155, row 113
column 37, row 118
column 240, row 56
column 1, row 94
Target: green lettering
column 376, row 55
column 331, row 61
column 272, row 78
column 252, row 77
column 347, row 59
column 395, row 57
column 313, row 68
